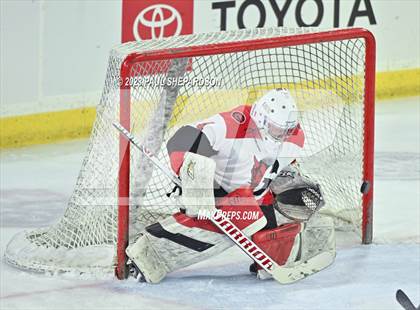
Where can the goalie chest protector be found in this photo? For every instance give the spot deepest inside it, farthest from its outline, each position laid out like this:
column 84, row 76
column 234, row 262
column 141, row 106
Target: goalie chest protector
column 240, row 162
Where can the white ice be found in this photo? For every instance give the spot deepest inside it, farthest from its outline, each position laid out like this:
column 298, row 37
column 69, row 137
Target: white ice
column 37, row 181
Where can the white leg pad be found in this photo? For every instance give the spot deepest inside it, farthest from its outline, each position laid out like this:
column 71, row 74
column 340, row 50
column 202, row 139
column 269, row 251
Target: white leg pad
column 168, row 246
column 143, row 254
column 317, row 237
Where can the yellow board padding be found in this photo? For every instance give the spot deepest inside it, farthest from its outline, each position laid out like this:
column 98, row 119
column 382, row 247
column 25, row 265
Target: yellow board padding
column 49, row 127
column 214, row 102
column 46, row 128
column 306, row 88
column 397, row 84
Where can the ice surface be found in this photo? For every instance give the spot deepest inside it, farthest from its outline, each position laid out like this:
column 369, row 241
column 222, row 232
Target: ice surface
column 37, row 181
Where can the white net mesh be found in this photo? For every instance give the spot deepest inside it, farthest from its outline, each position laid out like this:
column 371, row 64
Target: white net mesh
column 327, row 80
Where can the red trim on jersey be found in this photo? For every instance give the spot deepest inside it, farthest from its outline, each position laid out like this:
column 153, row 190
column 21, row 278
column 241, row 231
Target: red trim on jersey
column 176, row 158
column 297, row 137
column 257, row 172
column 233, row 205
column 237, row 128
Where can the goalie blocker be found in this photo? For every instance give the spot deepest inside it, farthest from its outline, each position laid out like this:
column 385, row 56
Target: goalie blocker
column 182, row 240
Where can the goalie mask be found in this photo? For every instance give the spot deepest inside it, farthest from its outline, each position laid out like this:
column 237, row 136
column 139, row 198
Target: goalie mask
column 275, row 115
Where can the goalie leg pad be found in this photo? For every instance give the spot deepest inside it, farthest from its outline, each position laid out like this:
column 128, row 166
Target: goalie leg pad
column 317, row 251
column 318, row 237
column 180, row 240
column 313, row 247
column 278, row 243
column 143, row 255
column 168, row 246
column 282, row 244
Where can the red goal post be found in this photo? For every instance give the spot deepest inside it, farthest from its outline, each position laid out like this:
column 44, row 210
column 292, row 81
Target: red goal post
column 244, row 46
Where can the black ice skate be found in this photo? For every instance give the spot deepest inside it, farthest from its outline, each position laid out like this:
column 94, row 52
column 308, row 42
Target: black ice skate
column 135, row 271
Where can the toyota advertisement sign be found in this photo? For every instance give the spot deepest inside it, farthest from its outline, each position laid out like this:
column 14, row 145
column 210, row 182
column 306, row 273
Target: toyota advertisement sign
column 155, row 19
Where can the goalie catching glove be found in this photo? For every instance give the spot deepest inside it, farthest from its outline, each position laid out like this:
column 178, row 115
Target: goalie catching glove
column 297, row 197
column 305, row 245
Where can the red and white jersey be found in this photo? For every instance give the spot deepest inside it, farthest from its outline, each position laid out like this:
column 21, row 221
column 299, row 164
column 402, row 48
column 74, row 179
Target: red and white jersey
column 240, row 161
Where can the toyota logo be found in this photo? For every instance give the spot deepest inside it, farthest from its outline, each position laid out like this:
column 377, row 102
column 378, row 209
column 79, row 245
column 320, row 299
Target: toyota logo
column 157, row 23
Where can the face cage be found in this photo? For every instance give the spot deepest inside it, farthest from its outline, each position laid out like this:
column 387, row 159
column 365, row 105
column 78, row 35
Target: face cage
column 278, row 133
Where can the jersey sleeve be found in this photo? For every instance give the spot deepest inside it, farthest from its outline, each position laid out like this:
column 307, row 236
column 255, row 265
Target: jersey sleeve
column 214, row 128
column 201, row 138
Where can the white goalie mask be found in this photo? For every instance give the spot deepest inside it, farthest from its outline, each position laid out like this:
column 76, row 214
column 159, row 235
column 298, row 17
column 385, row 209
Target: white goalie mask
column 275, row 115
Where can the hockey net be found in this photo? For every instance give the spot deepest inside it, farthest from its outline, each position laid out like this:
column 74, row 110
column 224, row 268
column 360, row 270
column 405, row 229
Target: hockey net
column 330, row 74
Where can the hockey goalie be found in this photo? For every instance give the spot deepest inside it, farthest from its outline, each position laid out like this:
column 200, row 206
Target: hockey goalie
column 243, row 163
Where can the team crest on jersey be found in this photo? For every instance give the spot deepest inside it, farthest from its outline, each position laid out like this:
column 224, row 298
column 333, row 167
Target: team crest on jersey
column 190, row 169
column 239, row 117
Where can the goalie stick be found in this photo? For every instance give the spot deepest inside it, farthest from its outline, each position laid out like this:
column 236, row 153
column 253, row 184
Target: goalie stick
column 404, row 301
column 282, row 274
